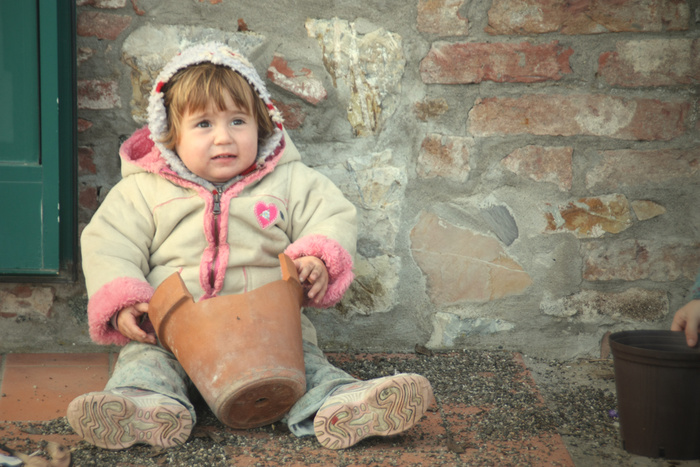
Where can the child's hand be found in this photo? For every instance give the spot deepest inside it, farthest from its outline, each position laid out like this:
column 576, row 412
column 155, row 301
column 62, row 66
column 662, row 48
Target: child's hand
column 128, row 320
column 688, row 319
column 313, row 275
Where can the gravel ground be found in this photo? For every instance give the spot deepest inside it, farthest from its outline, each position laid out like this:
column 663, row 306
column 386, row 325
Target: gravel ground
column 579, row 403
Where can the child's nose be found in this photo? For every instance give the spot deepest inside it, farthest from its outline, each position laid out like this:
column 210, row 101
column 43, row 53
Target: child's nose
column 223, row 135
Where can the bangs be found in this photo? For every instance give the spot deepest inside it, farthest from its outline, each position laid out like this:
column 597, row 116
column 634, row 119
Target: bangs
column 210, row 84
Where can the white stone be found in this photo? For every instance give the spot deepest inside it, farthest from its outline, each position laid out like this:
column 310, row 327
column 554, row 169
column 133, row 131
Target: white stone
column 449, row 329
column 366, row 69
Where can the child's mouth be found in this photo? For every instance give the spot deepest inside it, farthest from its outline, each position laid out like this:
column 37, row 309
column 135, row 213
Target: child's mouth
column 224, row 156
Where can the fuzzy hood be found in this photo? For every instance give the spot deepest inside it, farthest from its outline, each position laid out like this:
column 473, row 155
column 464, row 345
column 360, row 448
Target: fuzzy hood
column 146, row 152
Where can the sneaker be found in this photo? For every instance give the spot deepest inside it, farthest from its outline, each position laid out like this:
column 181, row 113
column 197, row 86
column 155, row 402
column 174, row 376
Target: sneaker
column 378, row 407
column 122, row 417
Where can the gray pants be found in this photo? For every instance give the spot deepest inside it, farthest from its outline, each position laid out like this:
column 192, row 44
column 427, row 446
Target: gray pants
column 153, row 368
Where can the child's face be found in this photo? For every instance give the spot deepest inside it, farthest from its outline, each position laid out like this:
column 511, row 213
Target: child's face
column 218, row 144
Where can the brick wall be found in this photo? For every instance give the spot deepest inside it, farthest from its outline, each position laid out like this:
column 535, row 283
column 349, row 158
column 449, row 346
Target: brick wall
column 525, row 170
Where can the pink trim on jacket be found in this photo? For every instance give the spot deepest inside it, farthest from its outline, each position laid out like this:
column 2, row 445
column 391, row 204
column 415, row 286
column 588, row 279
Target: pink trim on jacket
column 337, row 260
column 216, row 259
column 111, row 298
column 142, row 151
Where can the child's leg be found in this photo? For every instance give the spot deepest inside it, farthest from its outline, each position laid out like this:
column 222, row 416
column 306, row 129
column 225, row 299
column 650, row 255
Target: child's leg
column 152, row 368
column 322, row 379
column 145, row 401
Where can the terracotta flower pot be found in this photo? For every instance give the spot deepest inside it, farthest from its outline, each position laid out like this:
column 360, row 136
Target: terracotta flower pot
column 243, row 352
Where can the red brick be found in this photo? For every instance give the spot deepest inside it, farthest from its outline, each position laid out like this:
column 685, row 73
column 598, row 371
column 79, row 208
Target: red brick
column 301, row 83
column 631, row 260
column 442, row 17
column 587, row 16
column 630, row 168
column 84, row 125
column 657, row 62
column 102, row 25
column 463, row 63
column 22, row 291
column 85, row 162
column 543, row 164
column 87, row 198
column 293, row 114
column 579, row 114
column 98, row 95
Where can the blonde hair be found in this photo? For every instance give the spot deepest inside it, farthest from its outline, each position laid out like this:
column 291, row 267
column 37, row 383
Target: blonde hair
column 193, row 88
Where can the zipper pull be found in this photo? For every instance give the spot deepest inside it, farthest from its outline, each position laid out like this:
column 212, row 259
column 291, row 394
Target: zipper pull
column 217, row 204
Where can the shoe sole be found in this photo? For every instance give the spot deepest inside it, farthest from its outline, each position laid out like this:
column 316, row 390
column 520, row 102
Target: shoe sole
column 113, row 422
column 390, row 406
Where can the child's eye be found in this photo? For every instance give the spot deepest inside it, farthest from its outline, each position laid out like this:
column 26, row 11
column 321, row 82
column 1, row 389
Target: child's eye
column 238, row 121
column 203, row 124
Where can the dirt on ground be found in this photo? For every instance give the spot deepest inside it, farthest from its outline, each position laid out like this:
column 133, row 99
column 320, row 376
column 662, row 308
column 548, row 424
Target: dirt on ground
column 575, row 399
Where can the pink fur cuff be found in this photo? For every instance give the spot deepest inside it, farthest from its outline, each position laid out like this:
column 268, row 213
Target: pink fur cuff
column 337, row 260
column 109, row 299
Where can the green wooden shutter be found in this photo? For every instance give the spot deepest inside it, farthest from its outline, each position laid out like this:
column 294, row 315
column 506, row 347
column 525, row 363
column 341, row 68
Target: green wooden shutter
column 32, row 137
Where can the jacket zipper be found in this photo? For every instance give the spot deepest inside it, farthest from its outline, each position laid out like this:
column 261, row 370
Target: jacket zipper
column 215, row 231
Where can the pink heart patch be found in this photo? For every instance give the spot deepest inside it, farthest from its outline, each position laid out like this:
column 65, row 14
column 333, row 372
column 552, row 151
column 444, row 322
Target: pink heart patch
column 266, row 214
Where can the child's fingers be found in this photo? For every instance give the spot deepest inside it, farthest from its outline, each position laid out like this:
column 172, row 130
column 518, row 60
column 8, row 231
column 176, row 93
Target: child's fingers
column 691, row 329
column 303, row 269
column 129, row 324
column 318, row 291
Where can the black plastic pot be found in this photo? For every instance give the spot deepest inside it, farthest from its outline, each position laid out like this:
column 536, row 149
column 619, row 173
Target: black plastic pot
column 657, row 377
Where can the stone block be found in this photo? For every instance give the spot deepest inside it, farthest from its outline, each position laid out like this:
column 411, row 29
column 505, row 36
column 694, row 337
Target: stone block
column 366, row 68
column 445, row 156
column 590, row 217
column 450, row 329
column 469, row 62
column 430, row 108
column 652, row 62
column 543, row 164
column 645, row 209
column 586, row 16
column 26, row 300
column 374, row 288
column 580, row 114
column 301, row 83
column 462, row 265
column 442, row 17
column 84, row 54
column 630, row 168
column 502, row 223
column 379, row 191
column 633, row 304
column 636, row 259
